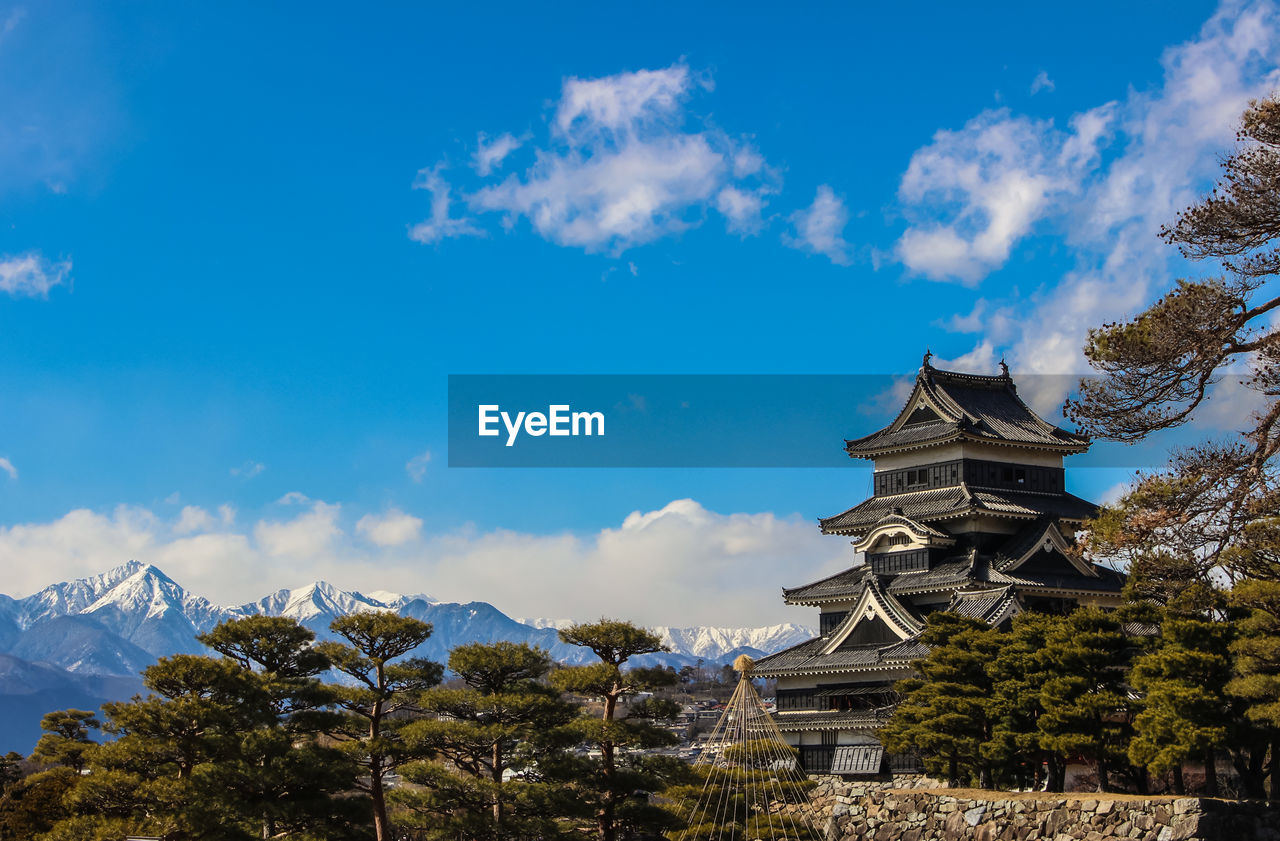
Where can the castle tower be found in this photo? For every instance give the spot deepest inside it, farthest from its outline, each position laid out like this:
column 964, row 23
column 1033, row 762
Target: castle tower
column 969, row 514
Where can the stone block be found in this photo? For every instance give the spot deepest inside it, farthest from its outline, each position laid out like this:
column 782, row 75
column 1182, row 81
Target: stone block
column 974, row 816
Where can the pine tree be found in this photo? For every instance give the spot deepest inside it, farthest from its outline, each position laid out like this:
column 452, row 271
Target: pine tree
column 1186, row 712
column 382, row 689
column 486, row 749
column 220, row 749
column 66, row 738
column 608, row 785
column 1085, row 701
column 1018, row 673
column 944, row 715
column 283, row 769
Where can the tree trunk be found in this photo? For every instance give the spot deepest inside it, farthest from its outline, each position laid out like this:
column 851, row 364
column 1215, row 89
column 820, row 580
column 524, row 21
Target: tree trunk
column 497, row 794
column 1179, row 786
column 1249, row 765
column 1210, row 773
column 605, row 817
column 381, row 826
column 1275, row 768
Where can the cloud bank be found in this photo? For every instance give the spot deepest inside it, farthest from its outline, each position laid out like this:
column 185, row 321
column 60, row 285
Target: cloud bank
column 681, row 564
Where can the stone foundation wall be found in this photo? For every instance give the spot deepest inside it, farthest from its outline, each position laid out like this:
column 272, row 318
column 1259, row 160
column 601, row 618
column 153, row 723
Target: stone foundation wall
column 885, row 810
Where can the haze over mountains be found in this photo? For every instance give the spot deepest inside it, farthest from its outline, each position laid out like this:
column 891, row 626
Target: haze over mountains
column 78, row 643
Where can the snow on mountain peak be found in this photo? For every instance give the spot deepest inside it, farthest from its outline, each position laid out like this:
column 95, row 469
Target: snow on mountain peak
column 316, row 600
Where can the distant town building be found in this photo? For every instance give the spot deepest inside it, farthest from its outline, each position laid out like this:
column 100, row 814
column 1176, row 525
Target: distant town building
column 970, row 514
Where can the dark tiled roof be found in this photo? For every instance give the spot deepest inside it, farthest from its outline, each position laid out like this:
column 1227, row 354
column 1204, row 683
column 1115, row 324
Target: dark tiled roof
column 847, row 584
column 854, row 691
column 1108, row 580
column 832, row 720
column 807, row 656
column 1025, row 540
column 957, row 501
column 972, row 407
column 986, row 605
column 915, row 526
column 911, row 649
column 950, row 574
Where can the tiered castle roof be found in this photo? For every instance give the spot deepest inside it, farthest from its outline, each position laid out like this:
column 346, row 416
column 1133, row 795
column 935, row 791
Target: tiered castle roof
column 970, row 514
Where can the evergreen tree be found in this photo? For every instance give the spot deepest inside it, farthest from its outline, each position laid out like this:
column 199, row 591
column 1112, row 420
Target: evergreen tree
column 1018, row 673
column 944, row 715
column 66, row 738
column 36, row 804
column 1186, row 713
column 283, row 769
column 609, row 784
column 160, row 775
column 220, row 749
column 487, row 749
column 382, row 690
column 742, row 795
column 10, row 769
column 1085, row 701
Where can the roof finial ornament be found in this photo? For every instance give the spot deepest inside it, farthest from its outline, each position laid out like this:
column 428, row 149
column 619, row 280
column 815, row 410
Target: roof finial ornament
column 1004, row 367
column 928, row 354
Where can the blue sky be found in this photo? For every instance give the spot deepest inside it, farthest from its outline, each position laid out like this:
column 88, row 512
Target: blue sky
column 242, row 248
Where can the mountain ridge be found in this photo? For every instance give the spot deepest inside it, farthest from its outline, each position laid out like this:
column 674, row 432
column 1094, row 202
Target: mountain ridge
column 100, row 631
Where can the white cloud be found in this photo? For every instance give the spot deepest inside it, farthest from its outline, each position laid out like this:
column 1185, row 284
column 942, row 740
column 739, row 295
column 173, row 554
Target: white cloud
column 619, row 168
column 248, row 470
column 621, row 104
column 678, row 565
column 7, row 467
column 1041, row 82
column 992, row 181
column 440, row 225
column 981, row 358
column 742, row 209
column 490, row 154
column 305, row 537
column 819, row 228
column 394, row 528
column 416, row 467
column 972, row 195
column 293, row 498
column 31, row 275
column 193, row 518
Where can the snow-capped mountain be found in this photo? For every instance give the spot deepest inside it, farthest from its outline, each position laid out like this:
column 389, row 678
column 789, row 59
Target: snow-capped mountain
column 717, row 644
column 86, row 640
column 111, row 623
column 554, row 624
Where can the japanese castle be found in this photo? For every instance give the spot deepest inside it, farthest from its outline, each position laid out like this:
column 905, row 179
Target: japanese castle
column 969, row 514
